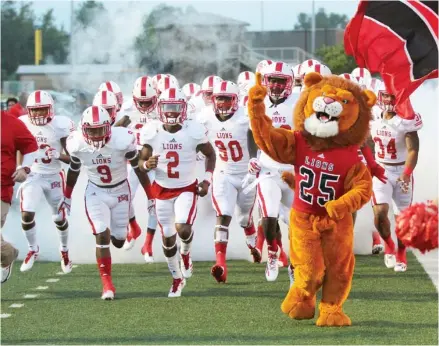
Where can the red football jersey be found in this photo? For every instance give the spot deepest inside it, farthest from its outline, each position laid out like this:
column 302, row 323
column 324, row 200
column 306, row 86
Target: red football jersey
column 320, row 176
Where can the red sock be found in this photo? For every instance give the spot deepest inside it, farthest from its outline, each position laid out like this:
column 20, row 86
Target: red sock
column 279, row 243
column 148, row 242
column 261, row 238
column 401, row 254
column 104, row 266
column 250, row 230
column 135, row 229
column 389, row 247
column 376, row 238
column 273, row 245
column 220, row 252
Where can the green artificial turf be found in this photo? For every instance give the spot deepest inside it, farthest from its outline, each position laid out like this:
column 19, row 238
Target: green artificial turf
column 385, row 307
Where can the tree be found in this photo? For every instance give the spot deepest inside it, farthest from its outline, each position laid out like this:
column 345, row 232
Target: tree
column 323, row 21
column 336, row 59
column 86, row 12
column 18, row 24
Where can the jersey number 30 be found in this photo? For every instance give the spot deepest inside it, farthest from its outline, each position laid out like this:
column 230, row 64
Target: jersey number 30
column 234, row 148
column 326, row 191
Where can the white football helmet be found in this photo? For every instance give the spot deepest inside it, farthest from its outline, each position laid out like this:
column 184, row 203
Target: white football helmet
column 385, row 100
column 348, row 76
column 363, row 73
column 144, row 95
column 319, row 68
column 207, row 88
column 361, row 82
column 155, row 79
column 165, row 83
column 96, row 126
column 262, row 64
column 40, row 107
column 108, row 100
column 172, row 107
column 298, row 80
column 225, row 98
column 278, row 78
column 114, row 88
column 190, row 90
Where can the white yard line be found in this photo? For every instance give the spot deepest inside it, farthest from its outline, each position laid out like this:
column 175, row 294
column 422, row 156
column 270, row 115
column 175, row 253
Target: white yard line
column 429, row 261
column 52, row 280
column 5, row 315
column 42, row 288
column 16, row 306
column 30, row 296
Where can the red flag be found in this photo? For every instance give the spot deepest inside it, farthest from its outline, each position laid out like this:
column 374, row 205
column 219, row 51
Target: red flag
column 399, row 40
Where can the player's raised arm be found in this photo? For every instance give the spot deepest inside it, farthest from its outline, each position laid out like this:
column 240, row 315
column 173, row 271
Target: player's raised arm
column 276, row 143
column 147, row 160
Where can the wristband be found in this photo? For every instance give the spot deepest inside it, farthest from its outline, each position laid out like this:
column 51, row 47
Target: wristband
column 208, row 176
column 408, row 171
column 68, row 192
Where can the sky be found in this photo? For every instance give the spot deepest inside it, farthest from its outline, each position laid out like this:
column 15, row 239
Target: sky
column 269, row 15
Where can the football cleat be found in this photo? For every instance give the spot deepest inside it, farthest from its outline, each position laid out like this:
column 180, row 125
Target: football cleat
column 29, row 260
column 108, row 295
column 108, row 290
column 377, row 249
column 390, row 260
column 147, row 255
column 186, row 266
column 219, row 272
column 272, row 269
column 400, row 267
column 134, row 232
column 66, row 264
column 7, row 271
column 176, row 288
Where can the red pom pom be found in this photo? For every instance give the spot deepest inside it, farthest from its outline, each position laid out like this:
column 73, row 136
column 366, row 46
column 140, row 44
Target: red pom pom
column 417, row 226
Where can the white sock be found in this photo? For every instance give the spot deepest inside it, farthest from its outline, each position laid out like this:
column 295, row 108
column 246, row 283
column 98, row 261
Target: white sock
column 31, row 236
column 174, row 266
column 64, row 239
column 185, row 248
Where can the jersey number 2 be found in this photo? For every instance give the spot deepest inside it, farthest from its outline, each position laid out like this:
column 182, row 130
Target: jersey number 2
column 390, row 149
column 327, row 193
column 105, row 173
column 234, row 148
column 174, row 160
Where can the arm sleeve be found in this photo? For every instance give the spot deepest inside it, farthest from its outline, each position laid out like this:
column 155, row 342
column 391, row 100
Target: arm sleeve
column 24, row 140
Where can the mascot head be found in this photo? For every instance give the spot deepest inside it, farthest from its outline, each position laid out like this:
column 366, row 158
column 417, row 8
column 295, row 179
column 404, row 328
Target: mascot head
column 333, row 112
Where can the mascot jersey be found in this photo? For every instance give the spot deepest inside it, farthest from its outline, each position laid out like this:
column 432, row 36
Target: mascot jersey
column 322, row 175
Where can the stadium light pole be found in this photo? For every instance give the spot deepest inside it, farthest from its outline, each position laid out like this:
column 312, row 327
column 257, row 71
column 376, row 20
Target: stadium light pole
column 313, row 29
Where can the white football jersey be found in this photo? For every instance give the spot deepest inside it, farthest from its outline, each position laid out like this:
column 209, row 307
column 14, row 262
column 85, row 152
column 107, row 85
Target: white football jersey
column 178, row 157
column 194, row 106
column 49, row 136
column 138, row 120
column 108, row 165
column 282, row 117
column 389, row 136
column 229, row 138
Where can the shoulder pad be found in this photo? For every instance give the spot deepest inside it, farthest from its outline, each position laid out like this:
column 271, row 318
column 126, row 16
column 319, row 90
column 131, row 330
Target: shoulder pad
column 74, row 142
column 412, row 125
column 149, row 131
column 123, row 138
column 196, row 130
column 241, row 116
column 64, row 125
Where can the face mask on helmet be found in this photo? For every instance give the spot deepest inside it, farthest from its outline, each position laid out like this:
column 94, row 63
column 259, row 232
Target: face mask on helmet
column 207, row 97
column 276, row 86
column 40, row 115
column 386, row 101
column 145, row 106
column 224, row 105
column 172, row 112
column 97, row 135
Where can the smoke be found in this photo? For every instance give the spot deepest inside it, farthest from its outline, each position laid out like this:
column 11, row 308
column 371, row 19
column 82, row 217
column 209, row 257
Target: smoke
column 425, row 102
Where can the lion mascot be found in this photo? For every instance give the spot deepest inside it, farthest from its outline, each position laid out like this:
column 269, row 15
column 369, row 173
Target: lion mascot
column 331, row 120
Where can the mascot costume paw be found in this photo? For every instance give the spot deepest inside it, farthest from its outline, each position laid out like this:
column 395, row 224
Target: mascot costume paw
column 331, row 121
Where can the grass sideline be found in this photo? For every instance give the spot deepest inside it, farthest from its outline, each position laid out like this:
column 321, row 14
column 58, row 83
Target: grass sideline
column 385, row 307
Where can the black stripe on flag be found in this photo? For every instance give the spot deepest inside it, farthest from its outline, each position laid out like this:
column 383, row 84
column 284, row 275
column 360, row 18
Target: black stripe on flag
column 405, row 22
column 433, row 5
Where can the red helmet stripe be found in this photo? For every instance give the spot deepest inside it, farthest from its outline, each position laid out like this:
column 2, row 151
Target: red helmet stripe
column 317, row 68
column 247, row 75
column 223, row 86
column 104, row 97
column 269, row 62
column 172, row 93
column 38, row 96
column 191, row 88
column 143, row 86
column 278, row 67
column 310, row 63
column 374, row 81
column 167, row 82
column 109, row 87
column 95, row 114
column 361, row 72
column 211, row 82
